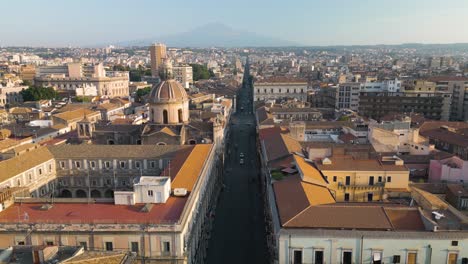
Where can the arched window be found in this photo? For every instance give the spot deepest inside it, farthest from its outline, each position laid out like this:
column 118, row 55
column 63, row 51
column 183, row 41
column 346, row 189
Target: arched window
column 165, row 118
column 161, row 144
column 179, row 113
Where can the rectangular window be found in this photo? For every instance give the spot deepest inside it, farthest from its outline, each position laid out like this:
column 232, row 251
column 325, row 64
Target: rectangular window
column 166, row 246
column 380, row 179
column 62, row 164
column 371, row 180
column 389, row 178
column 454, row 243
column 109, row 246
column 20, row 243
column 107, row 164
column 334, row 178
column 153, row 164
column 411, row 258
column 122, row 164
column 347, row 257
column 348, row 180
column 297, row 257
column 346, row 197
column 137, row 164
column 134, row 246
column 49, row 243
column 318, row 256
column 93, row 164
column 40, row 171
column 150, row 193
column 77, row 164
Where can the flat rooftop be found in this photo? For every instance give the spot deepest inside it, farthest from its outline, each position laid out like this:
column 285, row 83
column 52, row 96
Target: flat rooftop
column 186, row 167
column 84, row 213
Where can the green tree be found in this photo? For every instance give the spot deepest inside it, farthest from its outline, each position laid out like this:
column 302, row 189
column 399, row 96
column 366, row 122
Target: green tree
column 35, row 93
column 140, row 93
column 201, row 72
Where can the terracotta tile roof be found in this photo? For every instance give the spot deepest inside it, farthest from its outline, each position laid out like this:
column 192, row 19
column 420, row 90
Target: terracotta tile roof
column 97, row 257
column 291, row 144
column 431, row 125
column 27, row 160
column 339, row 217
column 267, row 132
column 317, row 194
column 347, row 137
column 282, row 79
column 8, row 143
column 457, row 189
column 77, row 114
column 20, row 110
column 290, row 201
column 191, row 169
column 450, row 137
column 114, row 151
column 309, row 172
column 348, row 163
column 108, row 106
column 447, row 78
column 262, row 114
column 405, row 219
column 168, row 131
column 168, row 212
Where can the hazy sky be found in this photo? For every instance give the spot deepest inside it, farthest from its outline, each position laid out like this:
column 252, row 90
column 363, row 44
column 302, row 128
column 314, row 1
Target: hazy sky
column 308, row 22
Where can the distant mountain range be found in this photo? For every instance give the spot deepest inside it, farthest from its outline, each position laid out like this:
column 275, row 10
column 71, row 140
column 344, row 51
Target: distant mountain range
column 213, row 35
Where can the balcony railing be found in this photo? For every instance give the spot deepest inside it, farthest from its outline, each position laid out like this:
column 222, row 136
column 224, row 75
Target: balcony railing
column 375, row 186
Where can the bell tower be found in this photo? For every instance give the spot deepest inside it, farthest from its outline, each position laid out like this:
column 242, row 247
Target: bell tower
column 85, row 128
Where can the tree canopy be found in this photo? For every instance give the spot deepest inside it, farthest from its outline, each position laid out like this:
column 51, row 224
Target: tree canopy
column 201, row 72
column 140, row 93
column 35, row 93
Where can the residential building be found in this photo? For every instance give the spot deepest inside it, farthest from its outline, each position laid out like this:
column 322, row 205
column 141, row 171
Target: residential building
column 73, row 76
column 451, row 137
column 157, row 56
column 10, row 95
column 347, row 96
column 96, row 189
column 452, row 169
column 378, row 104
column 458, row 86
column 280, row 88
column 183, row 74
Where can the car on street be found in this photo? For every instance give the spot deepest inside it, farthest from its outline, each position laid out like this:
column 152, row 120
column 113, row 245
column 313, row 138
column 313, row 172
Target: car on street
column 241, row 161
column 241, row 155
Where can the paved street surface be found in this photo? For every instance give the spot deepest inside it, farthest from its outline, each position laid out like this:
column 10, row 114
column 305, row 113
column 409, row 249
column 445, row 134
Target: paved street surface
column 238, row 234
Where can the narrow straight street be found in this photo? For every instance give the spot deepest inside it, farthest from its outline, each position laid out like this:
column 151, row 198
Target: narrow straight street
column 238, row 234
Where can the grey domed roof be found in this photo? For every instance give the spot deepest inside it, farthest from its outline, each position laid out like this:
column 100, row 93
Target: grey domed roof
column 168, row 91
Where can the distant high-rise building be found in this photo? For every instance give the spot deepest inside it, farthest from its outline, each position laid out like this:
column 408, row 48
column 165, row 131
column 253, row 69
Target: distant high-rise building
column 158, row 54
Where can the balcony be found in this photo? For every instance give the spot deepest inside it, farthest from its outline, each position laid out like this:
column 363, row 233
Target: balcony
column 375, row 186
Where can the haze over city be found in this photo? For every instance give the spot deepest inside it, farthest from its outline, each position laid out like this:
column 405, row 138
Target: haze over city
column 300, row 22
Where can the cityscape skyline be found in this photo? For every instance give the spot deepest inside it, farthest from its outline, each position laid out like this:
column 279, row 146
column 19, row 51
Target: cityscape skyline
column 305, row 23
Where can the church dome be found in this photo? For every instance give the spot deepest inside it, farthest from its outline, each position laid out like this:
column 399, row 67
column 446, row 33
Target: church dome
column 168, row 91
